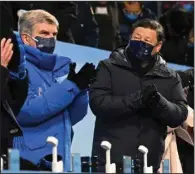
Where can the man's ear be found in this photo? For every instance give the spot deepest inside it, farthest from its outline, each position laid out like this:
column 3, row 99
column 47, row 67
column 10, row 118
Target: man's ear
column 25, row 39
column 157, row 48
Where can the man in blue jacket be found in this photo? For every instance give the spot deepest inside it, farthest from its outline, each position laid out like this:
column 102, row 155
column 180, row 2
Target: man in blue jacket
column 53, row 105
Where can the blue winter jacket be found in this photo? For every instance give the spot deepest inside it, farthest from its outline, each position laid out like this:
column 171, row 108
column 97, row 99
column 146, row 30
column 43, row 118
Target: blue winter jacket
column 52, row 107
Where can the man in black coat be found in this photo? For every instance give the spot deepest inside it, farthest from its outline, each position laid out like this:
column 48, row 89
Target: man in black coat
column 14, row 85
column 13, row 94
column 135, row 97
column 179, row 36
column 13, row 88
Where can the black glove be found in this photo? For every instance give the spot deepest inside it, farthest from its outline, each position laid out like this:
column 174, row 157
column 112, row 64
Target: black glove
column 72, row 68
column 150, row 96
column 84, row 77
column 17, row 58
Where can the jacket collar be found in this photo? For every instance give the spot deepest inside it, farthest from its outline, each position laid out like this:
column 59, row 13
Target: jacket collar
column 51, row 62
column 40, row 59
column 118, row 57
column 36, row 57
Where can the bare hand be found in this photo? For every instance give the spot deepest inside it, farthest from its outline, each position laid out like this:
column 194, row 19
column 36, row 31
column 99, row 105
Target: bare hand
column 6, row 51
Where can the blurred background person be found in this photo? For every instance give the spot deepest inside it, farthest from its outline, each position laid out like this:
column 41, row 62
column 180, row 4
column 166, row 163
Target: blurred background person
column 85, row 29
column 152, row 5
column 178, row 23
column 166, row 5
column 64, row 11
column 106, row 15
column 129, row 13
column 77, row 24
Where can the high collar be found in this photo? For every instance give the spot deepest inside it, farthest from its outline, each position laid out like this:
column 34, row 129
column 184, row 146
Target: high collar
column 118, row 57
column 50, row 62
column 40, row 59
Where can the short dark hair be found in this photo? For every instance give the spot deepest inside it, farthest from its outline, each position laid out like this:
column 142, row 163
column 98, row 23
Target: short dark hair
column 152, row 24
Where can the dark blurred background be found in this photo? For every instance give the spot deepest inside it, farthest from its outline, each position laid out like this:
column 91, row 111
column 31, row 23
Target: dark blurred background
column 107, row 25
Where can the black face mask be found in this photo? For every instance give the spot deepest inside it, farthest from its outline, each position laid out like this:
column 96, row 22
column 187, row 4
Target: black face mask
column 139, row 50
column 46, row 45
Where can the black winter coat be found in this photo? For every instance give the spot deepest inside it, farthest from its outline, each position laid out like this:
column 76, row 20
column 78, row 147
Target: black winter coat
column 120, row 119
column 13, row 95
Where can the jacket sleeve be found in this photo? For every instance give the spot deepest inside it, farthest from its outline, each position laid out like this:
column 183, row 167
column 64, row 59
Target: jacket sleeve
column 78, row 108
column 19, row 91
column 4, row 80
column 104, row 103
column 16, row 99
column 174, row 112
column 40, row 108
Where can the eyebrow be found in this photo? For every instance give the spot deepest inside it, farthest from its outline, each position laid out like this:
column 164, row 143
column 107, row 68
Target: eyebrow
column 44, row 31
column 137, row 34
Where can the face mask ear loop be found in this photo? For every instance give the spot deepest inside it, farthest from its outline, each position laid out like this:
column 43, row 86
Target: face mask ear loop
column 32, row 37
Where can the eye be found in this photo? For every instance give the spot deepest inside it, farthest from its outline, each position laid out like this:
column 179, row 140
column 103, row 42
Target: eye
column 44, row 33
column 137, row 38
column 54, row 34
column 148, row 41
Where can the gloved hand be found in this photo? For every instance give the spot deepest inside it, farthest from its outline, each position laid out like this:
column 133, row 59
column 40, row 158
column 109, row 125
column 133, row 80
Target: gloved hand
column 16, row 64
column 150, row 96
column 84, row 77
column 72, row 67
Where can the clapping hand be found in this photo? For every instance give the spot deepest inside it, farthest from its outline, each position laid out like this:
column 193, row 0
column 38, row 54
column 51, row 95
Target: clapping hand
column 6, row 51
column 84, row 77
column 149, row 95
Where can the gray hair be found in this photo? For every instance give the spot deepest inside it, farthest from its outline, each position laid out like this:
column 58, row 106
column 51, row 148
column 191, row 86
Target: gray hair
column 28, row 19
